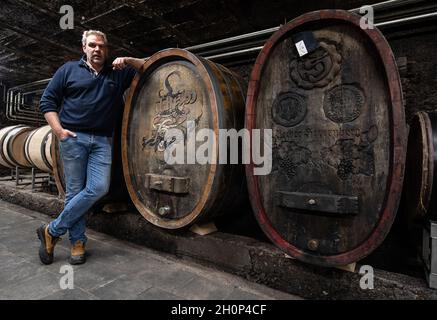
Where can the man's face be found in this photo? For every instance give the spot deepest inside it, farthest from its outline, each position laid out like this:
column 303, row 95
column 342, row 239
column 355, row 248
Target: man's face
column 96, row 50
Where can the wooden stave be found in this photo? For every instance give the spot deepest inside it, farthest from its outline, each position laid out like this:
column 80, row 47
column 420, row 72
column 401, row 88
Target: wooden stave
column 37, row 143
column 48, row 151
column 4, row 161
column 9, row 147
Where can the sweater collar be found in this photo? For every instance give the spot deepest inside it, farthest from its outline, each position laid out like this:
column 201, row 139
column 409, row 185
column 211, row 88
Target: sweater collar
column 82, row 63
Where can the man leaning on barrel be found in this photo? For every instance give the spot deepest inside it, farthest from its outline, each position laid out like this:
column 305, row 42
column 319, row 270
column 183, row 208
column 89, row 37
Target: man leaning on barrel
column 90, row 92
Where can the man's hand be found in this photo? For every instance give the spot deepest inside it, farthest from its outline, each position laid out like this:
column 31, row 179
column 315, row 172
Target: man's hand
column 120, row 63
column 53, row 120
column 64, row 134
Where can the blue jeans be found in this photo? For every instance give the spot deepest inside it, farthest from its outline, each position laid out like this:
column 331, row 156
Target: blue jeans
column 87, row 170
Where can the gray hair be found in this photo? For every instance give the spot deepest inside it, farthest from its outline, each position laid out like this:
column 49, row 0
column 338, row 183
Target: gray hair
column 88, row 33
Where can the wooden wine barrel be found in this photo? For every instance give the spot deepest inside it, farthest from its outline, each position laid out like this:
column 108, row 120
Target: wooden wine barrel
column 338, row 138
column 12, row 142
column 38, row 148
column 418, row 193
column 419, row 167
column 3, row 133
column 174, row 89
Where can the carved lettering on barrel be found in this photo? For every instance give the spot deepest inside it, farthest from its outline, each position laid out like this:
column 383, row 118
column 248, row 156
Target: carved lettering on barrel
column 343, row 103
column 316, row 69
column 172, row 111
column 289, row 109
column 309, row 134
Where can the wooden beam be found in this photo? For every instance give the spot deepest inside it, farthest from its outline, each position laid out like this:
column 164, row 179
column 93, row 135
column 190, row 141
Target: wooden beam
column 32, row 35
column 27, row 54
column 143, row 9
column 82, row 26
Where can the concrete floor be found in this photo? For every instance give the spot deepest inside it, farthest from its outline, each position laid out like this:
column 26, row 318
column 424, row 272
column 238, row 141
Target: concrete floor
column 114, row 269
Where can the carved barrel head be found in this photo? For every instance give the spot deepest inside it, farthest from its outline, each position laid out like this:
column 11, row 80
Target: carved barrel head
column 338, row 146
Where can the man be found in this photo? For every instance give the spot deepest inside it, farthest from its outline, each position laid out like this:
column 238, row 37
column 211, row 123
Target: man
column 90, row 91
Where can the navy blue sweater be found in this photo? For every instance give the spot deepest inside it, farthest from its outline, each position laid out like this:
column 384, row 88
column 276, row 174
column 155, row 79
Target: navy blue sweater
column 89, row 103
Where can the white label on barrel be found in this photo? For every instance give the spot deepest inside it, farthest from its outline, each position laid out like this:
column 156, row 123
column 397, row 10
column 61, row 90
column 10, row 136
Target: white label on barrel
column 301, row 48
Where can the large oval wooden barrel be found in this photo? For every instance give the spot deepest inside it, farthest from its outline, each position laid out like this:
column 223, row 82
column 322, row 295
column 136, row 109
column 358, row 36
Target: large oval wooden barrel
column 12, row 143
column 177, row 90
column 330, row 92
column 38, row 148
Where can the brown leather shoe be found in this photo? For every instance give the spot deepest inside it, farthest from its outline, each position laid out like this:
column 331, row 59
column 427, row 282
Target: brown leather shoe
column 48, row 243
column 78, row 253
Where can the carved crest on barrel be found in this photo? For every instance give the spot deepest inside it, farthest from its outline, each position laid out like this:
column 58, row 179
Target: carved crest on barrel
column 316, row 69
column 289, row 109
column 343, row 103
column 172, row 111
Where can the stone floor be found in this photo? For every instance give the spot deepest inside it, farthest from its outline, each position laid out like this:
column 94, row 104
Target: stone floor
column 114, row 270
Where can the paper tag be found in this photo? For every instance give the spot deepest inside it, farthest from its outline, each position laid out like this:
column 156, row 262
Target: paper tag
column 301, row 48
column 305, row 43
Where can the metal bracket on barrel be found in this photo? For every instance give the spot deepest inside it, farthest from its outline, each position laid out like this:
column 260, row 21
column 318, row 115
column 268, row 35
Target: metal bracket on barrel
column 167, row 183
column 316, row 202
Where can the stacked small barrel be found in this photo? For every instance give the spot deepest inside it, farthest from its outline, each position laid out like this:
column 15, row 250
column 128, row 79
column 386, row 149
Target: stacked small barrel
column 26, row 147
